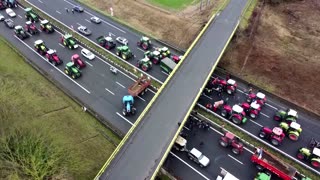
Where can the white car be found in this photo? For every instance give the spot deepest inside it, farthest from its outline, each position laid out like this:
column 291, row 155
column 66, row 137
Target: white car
column 86, row 53
column 122, row 40
column 1, row 17
column 10, row 12
column 197, row 156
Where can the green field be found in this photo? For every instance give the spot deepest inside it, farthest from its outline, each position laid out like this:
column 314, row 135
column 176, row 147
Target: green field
column 30, row 102
column 173, row 4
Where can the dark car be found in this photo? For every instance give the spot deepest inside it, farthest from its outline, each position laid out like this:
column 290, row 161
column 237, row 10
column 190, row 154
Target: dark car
column 78, row 9
column 95, row 20
column 9, row 23
column 84, row 30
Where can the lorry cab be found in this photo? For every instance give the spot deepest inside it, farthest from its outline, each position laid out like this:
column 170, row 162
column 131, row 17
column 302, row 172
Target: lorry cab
column 180, row 144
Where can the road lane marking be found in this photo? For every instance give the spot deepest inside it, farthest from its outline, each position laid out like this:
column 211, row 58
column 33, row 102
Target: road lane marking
column 207, row 96
column 79, row 24
column 151, row 91
column 120, row 84
column 265, row 115
column 189, row 166
column 186, row 128
column 87, row 20
column 271, row 106
column 19, row 16
column 235, row 159
column 109, row 91
column 141, row 98
column 165, row 73
column 40, row 1
column 61, row 45
column 256, row 123
column 89, row 64
column 110, row 34
column 53, row 65
column 58, row 12
column 29, row 34
column 216, row 130
column 125, row 119
column 140, row 49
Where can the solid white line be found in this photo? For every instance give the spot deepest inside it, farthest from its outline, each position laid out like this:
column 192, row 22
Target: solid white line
column 264, row 114
column 61, row 45
column 186, row 128
column 189, row 166
column 165, row 73
column 207, row 96
column 120, row 84
column 89, row 64
column 140, row 49
column 151, row 91
column 125, row 118
column 53, row 66
column 110, row 91
column 58, row 12
column 216, row 130
column 87, row 20
column 141, row 98
column 19, row 16
column 235, row 159
column 256, row 123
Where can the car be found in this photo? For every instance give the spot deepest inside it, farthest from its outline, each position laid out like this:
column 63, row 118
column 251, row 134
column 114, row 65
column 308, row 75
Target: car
column 84, row 30
column 197, row 156
column 1, row 17
column 86, row 53
column 122, row 40
column 95, row 19
column 9, row 23
column 10, row 12
column 78, row 8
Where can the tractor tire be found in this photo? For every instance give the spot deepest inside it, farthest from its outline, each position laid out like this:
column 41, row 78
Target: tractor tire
column 275, row 142
column 223, row 143
column 69, row 47
column 235, row 151
column 236, row 120
column 73, row 76
column 144, row 67
column 293, row 137
column 224, row 113
column 54, row 63
column 124, row 112
column 229, row 91
column 66, row 71
column 118, row 53
column 124, row 57
column 133, row 111
column 262, row 135
column 315, row 164
column 253, row 116
column 300, row 156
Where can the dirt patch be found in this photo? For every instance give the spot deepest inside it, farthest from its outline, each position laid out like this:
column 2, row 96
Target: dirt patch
column 283, row 52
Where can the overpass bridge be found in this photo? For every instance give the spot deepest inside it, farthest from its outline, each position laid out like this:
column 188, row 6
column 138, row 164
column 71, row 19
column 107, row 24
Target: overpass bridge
column 143, row 150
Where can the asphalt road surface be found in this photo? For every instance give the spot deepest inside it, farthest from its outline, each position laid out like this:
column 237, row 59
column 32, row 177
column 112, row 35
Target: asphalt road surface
column 107, row 27
column 160, row 123
column 98, row 88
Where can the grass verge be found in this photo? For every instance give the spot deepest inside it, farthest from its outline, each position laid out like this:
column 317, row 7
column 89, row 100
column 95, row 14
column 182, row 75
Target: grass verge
column 29, row 101
column 246, row 137
column 244, row 22
column 173, row 4
column 110, row 58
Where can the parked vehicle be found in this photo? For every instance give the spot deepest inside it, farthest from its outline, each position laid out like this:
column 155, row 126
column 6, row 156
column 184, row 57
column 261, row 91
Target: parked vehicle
column 144, row 43
column 292, row 130
column 46, row 26
column 78, row 61
column 311, row 153
column 128, row 107
column 84, row 30
column 72, row 70
column 252, row 110
column 53, row 58
column 88, row 54
column 197, row 156
column 30, row 15
column 275, row 135
column 266, row 161
column 31, row 28
column 140, row 86
column 145, row 64
column 95, row 20
column 259, row 97
column 106, row 42
column 10, row 13
column 113, row 70
column 154, row 56
column 180, row 144
column 20, row 33
column 230, row 140
column 167, row 65
column 9, row 23
column 287, row 116
column 236, row 114
column 40, row 47
column 68, row 41
column 124, row 52
column 122, row 40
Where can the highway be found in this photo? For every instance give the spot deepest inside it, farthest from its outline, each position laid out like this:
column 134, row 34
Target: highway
column 107, row 27
column 160, row 123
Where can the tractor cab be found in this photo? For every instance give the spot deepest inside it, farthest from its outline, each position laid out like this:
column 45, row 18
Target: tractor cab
column 261, row 98
column 144, row 42
column 294, row 126
column 251, row 110
column 292, row 113
column 180, row 144
column 236, row 109
column 230, row 140
column 40, row 47
column 165, row 52
column 231, row 86
column 316, row 152
column 31, row 15
column 238, row 115
column 288, row 116
column 46, row 26
column 277, row 131
column 128, row 108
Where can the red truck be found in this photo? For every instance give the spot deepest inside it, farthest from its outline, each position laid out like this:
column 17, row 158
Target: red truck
column 139, row 87
column 265, row 160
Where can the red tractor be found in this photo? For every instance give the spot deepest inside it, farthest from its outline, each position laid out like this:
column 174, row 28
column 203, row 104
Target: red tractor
column 230, row 140
column 176, row 58
column 259, row 97
column 229, row 86
column 31, row 28
column 236, row 114
column 77, row 61
column 275, row 135
column 252, row 109
column 53, row 58
column 216, row 105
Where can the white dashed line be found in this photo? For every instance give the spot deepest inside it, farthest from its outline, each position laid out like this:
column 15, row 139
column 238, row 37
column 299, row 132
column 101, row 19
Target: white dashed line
column 120, row 84
column 125, row 118
column 165, row 73
column 207, row 96
column 265, row 115
column 256, row 123
column 235, row 159
column 40, row 1
column 109, row 91
column 58, row 12
column 61, row 45
column 140, row 49
column 19, row 16
column 89, row 64
column 141, row 98
column 87, row 20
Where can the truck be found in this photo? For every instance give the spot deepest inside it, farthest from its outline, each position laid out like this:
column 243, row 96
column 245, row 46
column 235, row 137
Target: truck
column 140, row 86
column 225, row 175
column 267, row 161
column 167, row 65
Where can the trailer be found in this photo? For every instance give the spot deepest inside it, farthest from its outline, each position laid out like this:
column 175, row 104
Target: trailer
column 167, row 65
column 225, row 175
column 140, row 86
column 266, row 161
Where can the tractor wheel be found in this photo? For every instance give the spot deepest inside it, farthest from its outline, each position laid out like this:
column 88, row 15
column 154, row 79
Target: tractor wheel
column 133, row 111
column 262, row 135
column 118, row 53
column 66, row 71
column 224, row 113
column 54, row 63
column 277, row 118
column 223, row 143
column 236, row 120
column 229, row 91
column 124, row 57
column 236, row 151
column 124, row 112
column 300, row 156
column 144, row 67
column 69, row 47
column 73, row 76
column 275, row 142
column 315, row 164
column 293, row 137
column 253, row 116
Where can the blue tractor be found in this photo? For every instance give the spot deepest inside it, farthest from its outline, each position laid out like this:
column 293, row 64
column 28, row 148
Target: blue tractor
column 128, row 108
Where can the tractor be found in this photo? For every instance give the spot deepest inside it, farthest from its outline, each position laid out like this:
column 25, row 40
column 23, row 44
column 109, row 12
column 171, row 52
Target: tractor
column 53, row 58
column 154, row 56
column 262, row 176
column 311, row 153
column 252, row 110
column 31, row 15
column 72, row 70
column 77, row 61
column 293, row 130
column 46, row 26
column 236, row 114
column 230, row 140
column 10, row 3
column 229, row 86
column 31, row 28
column 259, row 97
column 286, row 116
column 128, row 107
column 124, row 52
column 144, row 43
column 275, row 135
column 164, row 51
column 68, row 41
column 40, row 47
column 176, row 58
column 145, row 64
column 106, row 42
column 20, row 33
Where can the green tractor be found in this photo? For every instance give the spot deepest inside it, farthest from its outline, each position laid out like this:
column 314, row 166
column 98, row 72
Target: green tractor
column 20, row 32
column 46, row 26
column 165, row 52
column 31, row 15
column 144, row 43
column 124, row 52
column 311, row 154
column 68, row 41
column 40, row 47
column 262, row 176
column 145, row 64
column 72, row 70
column 292, row 130
column 154, row 56
column 287, row 116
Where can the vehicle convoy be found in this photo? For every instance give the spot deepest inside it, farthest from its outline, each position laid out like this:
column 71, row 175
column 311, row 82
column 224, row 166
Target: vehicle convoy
column 236, row 114
column 10, row 3
column 154, row 56
column 139, row 87
column 197, row 156
column 260, row 98
column 53, row 58
column 230, row 140
column 124, row 52
column 229, row 86
column 31, row 28
column 275, row 135
column 68, row 41
column 20, row 33
column 145, row 64
column 310, row 153
column 286, row 116
column 40, row 47
column 144, row 43
column 266, row 161
column 128, row 107
column 292, row 130
column 46, row 26
column 106, row 42
column 180, row 144
column 72, row 70
column 30, row 15
column 252, row 110
column 167, row 65
column 262, row 176
column 164, row 51
column 78, row 61
column 224, row 175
